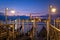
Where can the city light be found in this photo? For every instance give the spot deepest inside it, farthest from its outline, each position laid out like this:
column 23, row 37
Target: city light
column 13, row 11
column 32, row 20
column 50, row 6
column 6, row 8
column 53, row 10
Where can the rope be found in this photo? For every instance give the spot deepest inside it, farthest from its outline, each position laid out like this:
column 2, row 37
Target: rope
column 55, row 28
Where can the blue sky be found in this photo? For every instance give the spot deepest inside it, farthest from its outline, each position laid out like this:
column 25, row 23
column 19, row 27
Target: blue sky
column 24, row 7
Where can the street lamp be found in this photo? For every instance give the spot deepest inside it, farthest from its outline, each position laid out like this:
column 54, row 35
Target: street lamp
column 6, row 14
column 51, row 10
column 13, row 11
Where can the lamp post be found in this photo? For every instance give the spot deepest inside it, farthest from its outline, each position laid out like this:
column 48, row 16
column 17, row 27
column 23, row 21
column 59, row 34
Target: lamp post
column 48, row 22
column 51, row 10
column 6, row 14
column 13, row 12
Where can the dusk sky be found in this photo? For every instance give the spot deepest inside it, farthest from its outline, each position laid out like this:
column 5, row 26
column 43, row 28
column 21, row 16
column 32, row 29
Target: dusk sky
column 25, row 7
